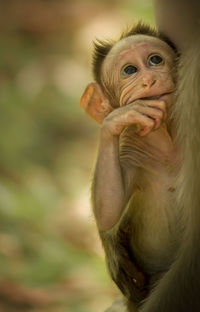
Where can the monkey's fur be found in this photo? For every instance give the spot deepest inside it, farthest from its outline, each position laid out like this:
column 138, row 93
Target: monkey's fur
column 179, row 289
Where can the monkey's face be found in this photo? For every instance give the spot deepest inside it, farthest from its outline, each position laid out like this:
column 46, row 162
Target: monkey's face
column 139, row 67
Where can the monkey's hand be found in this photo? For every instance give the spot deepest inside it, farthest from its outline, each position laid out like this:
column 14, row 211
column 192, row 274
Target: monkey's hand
column 146, row 115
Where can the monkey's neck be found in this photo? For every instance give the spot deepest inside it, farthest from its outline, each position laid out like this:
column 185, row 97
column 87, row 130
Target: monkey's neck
column 153, row 152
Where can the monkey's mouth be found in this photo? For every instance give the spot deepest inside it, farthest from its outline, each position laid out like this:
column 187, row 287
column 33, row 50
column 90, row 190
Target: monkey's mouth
column 156, row 97
column 151, row 97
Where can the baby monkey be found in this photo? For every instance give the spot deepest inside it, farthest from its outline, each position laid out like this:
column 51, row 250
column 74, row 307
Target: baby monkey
column 133, row 192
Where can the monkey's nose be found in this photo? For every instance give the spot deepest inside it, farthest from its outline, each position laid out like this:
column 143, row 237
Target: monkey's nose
column 148, row 81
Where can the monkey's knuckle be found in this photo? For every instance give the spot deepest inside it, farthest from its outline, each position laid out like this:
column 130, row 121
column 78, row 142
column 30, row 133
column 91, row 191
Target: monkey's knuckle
column 150, row 123
column 139, row 105
column 163, row 104
column 133, row 106
column 138, row 102
column 160, row 114
column 132, row 114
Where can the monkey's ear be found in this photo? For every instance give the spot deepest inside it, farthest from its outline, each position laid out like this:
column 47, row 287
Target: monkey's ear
column 94, row 102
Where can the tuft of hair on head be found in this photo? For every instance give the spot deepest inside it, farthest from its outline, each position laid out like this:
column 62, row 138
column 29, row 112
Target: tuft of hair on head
column 102, row 48
column 140, row 28
column 145, row 29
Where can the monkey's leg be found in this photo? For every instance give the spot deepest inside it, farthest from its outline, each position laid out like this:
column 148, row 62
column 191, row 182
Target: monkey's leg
column 122, row 265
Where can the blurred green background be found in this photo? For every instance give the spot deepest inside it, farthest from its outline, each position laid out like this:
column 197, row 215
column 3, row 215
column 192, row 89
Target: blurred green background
column 50, row 254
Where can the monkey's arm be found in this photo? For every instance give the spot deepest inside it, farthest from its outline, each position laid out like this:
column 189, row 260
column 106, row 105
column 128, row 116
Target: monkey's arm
column 110, row 193
column 113, row 186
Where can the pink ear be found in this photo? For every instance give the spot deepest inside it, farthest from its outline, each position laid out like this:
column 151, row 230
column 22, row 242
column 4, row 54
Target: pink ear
column 94, row 102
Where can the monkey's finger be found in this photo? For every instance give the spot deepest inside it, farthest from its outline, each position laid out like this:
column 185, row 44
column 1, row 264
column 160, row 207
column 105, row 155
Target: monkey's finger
column 144, row 131
column 143, row 123
column 117, row 120
column 159, row 105
column 153, row 113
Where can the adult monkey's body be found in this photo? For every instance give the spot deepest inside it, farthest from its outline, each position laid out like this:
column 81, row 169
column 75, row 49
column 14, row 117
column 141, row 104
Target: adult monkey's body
column 179, row 290
column 133, row 189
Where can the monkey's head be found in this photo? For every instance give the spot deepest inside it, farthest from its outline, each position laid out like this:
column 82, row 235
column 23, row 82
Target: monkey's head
column 140, row 65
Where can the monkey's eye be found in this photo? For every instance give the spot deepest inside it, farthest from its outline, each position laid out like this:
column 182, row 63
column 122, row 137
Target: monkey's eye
column 155, row 60
column 129, row 70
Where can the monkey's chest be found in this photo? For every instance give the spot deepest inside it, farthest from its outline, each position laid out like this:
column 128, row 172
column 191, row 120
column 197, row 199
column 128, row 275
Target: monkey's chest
column 154, row 218
column 153, row 208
